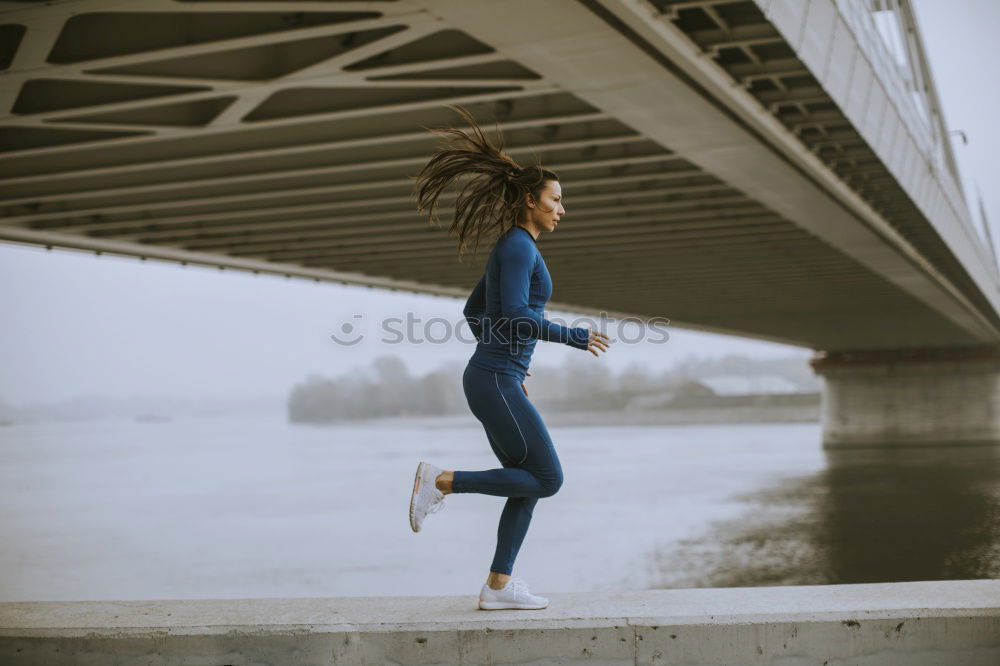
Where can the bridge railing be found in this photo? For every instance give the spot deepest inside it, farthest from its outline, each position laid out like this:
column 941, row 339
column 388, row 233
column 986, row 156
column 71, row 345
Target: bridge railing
column 903, row 87
column 899, row 80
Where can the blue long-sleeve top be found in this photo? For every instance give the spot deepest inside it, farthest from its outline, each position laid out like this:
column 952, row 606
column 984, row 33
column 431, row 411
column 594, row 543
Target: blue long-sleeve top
column 504, row 310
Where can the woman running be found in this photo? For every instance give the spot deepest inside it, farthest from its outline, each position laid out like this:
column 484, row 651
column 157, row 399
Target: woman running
column 516, row 204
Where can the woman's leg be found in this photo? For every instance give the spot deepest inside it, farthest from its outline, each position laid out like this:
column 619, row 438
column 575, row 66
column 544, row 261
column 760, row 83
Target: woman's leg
column 521, row 442
column 517, row 436
column 514, row 521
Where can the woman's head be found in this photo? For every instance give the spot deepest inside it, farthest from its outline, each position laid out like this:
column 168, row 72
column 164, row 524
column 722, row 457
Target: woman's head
column 494, row 191
column 543, row 205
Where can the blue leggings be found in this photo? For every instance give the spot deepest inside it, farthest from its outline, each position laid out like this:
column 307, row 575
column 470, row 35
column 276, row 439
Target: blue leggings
column 522, row 444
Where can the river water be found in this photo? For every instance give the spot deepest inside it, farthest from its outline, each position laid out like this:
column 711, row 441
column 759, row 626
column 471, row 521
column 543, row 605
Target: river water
column 257, row 507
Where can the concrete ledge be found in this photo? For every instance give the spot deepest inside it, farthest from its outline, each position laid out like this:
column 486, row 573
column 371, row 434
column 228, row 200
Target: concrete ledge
column 940, row 623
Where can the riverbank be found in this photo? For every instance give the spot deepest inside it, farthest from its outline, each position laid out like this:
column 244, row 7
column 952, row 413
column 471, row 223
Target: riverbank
column 688, row 415
column 610, row 417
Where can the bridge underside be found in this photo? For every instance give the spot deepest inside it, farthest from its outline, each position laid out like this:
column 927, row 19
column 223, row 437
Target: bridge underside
column 283, row 136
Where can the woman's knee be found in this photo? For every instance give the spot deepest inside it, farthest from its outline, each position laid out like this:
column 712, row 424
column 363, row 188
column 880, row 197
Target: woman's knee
column 551, row 483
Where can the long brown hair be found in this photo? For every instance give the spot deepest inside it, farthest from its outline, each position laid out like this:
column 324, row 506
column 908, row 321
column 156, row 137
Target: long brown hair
column 492, row 198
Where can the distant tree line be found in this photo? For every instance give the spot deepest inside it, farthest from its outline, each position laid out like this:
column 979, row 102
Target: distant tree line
column 387, row 389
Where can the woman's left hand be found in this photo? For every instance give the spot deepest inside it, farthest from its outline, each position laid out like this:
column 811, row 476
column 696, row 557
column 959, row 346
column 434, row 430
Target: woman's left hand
column 523, row 387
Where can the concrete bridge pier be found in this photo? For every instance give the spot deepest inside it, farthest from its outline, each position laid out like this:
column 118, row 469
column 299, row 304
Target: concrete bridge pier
column 910, row 397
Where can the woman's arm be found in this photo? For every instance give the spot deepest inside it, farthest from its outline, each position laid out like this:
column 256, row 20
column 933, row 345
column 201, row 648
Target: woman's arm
column 475, row 308
column 516, row 263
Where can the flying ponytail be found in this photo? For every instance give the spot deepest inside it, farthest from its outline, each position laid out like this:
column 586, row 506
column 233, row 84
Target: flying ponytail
column 491, row 198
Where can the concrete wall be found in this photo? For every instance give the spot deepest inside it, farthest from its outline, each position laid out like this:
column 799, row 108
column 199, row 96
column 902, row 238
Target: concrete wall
column 936, row 623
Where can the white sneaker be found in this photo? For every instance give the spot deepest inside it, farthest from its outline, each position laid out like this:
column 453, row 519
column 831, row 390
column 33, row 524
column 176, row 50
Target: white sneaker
column 514, row 594
column 426, row 498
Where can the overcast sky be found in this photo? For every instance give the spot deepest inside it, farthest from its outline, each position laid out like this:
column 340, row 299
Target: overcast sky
column 75, row 324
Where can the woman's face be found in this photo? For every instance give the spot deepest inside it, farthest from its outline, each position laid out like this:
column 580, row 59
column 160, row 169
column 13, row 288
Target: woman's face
column 545, row 211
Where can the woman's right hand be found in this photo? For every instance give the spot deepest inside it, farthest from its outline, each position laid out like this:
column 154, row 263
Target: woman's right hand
column 597, row 341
